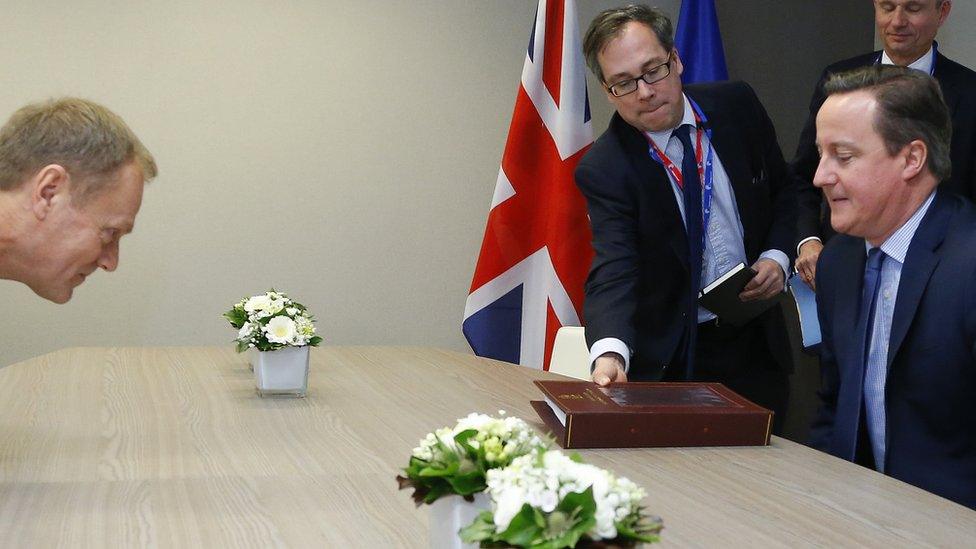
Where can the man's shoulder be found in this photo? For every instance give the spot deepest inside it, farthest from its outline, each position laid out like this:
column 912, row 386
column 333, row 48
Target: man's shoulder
column 609, row 146
column 947, row 70
column 960, row 216
column 729, row 99
column 728, row 89
column 855, row 62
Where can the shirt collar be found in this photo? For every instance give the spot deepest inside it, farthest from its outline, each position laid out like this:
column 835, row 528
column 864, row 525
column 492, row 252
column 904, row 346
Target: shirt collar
column 661, row 138
column 923, row 63
column 896, row 246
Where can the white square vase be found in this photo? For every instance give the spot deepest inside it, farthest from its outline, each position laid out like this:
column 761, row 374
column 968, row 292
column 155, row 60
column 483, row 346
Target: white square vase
column 451, row 513
column 281, row 372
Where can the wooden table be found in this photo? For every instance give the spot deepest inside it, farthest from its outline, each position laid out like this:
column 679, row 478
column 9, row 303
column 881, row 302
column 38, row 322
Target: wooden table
column 167, row 447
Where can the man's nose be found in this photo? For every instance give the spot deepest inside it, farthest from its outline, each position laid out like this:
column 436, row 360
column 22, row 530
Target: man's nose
column 644, row 90
column 822, row 176
column 109, row 259
column 899, row 18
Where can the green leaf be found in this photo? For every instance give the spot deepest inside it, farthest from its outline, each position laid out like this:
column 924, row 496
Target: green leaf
column 470, row 483
column 523, row 530
column 236, row 317
column 640, row 527
column 580, row 503
column 483, row 528
column 462, row 439
column 314, row 341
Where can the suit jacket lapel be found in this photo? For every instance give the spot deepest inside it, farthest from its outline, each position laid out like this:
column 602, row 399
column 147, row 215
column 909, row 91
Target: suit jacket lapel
column 658, row 185
column 848, row 273
column 730, row 146
column 920, row 261
column 947, row 82
column 848, row 297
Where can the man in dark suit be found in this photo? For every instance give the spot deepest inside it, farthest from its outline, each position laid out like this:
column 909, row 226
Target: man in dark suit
column 908, row 29
column 897, row 289
column 682, row 186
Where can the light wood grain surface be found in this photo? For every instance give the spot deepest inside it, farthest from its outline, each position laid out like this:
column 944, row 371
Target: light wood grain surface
column 171, row 447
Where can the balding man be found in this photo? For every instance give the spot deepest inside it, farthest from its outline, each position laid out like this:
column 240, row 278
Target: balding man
column 71, row 181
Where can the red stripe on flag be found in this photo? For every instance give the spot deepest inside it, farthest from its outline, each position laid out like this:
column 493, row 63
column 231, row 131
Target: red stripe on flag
column 547, row 209
column 552, row 326
column 552, row 60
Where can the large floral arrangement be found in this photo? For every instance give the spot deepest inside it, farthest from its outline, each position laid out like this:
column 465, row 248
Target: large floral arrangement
column 455, row 460
column 271, row 321
column 550, row 500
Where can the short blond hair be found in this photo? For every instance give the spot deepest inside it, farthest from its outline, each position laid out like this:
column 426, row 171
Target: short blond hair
column 88, row 140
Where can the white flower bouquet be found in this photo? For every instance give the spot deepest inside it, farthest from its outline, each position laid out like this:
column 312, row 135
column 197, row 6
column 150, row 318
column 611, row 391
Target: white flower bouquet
column 271, row 321
column 455, row 460
column 550, row 500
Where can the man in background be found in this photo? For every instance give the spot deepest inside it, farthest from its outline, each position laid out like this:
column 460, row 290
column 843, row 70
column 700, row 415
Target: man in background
column 897, row 289
column 684, row 184
column 71, row 181
column 908, row 29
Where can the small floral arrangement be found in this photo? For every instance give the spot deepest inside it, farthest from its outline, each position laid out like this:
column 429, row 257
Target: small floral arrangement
column 270, row 321
column 455, row 460
column 550, row 500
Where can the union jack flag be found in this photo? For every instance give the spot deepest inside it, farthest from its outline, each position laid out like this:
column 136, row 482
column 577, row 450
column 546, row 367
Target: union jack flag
column 536, row 251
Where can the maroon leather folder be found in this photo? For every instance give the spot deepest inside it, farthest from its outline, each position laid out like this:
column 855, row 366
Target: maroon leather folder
column 581, row 414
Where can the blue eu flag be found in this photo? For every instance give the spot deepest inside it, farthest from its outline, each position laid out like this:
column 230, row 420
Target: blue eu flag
column 699, row 42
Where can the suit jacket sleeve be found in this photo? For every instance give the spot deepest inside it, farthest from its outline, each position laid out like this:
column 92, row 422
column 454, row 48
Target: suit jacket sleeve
column 803, row 168
column 782, row 188
column 822, row 429
column 611, row 287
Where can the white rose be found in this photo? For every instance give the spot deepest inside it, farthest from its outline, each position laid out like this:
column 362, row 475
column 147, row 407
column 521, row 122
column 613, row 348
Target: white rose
column 281, row 329
column 257, row 303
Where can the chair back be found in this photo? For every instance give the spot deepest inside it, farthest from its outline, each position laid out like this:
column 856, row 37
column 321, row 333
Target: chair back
column 570, row 356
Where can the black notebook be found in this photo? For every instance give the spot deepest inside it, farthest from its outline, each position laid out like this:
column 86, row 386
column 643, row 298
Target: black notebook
column 722, row 297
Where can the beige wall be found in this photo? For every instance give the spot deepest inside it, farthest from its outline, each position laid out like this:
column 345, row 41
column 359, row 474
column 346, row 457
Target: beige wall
column 344, row 151
column 956, row 38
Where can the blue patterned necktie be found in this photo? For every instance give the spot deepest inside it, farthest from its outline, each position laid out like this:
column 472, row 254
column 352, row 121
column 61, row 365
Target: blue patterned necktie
column 691, row 192
column 869, row 296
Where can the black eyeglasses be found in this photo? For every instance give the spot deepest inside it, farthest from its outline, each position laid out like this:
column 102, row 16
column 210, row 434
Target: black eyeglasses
column 654, row 74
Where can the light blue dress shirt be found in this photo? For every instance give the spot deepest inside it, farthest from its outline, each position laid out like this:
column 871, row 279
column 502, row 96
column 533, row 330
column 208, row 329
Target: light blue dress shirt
column 876, row 366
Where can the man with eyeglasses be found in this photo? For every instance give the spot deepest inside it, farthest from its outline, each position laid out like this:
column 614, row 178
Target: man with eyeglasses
column 908, row 29
column 682, row 186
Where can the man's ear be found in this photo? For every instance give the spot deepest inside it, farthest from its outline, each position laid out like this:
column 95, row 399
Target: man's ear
column 916, row 155
column 47, row 187
column 676, row 66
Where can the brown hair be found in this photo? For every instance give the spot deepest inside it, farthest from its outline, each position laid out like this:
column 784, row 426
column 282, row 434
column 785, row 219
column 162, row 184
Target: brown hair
column 608, row 24
column 88, row 140
column 911, row 107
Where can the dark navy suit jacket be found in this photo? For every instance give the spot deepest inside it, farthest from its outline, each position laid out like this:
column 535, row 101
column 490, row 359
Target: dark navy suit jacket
column 931, row 386
column 638, row 289
column 958, row 85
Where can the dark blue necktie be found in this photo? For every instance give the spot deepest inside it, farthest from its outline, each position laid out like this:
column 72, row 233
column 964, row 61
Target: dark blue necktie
column 865, row 322
column 691, row 192
column 869, row 295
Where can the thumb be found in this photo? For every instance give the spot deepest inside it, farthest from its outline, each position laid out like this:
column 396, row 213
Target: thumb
column 601, row 379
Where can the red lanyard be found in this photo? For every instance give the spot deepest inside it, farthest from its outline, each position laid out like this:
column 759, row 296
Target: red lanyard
column 669, row 165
